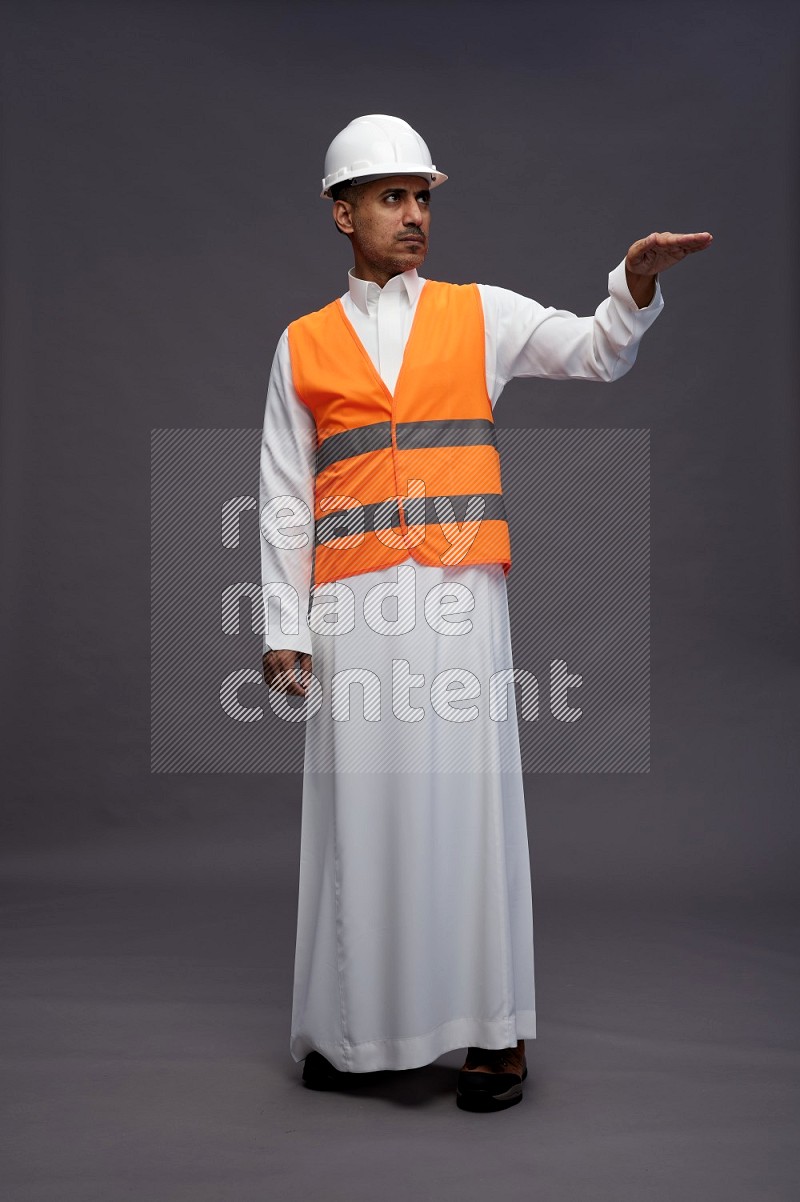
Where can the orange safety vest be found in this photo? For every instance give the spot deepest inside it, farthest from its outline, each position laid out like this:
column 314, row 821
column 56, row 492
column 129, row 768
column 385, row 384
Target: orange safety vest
column 415, row 473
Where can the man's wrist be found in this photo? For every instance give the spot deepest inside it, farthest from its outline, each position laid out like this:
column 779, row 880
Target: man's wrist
column 641, row 287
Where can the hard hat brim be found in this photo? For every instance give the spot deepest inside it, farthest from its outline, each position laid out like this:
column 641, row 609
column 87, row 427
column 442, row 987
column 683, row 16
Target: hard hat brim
column 381, row 172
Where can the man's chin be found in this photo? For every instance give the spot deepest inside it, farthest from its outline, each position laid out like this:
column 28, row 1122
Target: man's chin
column 412, row 257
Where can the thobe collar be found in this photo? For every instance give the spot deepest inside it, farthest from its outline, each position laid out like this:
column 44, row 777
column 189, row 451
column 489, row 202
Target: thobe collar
column 364, row 293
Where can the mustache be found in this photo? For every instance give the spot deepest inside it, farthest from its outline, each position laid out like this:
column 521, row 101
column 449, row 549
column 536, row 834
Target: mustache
column 412, row 231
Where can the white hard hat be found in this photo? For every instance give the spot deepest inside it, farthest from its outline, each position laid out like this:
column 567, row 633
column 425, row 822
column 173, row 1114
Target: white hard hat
column 377, row 145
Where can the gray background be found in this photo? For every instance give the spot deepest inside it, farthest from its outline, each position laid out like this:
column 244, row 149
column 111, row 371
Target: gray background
column 160, row 227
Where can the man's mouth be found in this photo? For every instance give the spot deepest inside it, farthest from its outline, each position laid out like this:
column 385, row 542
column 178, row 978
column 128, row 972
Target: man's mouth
column 420, row 238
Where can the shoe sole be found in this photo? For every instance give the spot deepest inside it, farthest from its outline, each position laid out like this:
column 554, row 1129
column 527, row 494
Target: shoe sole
column 483, row 1102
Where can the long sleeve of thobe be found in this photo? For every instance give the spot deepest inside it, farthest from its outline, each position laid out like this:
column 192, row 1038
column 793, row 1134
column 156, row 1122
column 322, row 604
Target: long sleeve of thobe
column 288, row 449
column 525, row 338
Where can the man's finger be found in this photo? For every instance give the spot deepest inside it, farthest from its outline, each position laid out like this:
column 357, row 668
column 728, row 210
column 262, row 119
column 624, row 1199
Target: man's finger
column 666, row 238
column 290, row 684
column 285, row 681
column 695, row 241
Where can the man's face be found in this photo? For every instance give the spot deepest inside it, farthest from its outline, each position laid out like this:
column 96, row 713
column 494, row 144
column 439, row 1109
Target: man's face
column 388, row 225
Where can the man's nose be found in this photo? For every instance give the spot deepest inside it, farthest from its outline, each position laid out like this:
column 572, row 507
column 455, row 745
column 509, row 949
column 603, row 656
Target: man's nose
column 412, row 214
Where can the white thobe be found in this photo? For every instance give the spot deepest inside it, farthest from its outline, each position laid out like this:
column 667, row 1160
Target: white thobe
column 414, row 926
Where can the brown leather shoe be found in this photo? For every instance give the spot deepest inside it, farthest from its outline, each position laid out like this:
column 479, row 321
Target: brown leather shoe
column 491, row 1078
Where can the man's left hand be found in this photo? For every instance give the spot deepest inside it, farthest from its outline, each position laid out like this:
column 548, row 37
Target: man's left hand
column 655, row 253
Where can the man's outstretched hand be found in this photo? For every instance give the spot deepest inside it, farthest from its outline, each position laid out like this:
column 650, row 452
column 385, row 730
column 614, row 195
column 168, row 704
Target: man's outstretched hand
column 655, row 253
column 279, row 671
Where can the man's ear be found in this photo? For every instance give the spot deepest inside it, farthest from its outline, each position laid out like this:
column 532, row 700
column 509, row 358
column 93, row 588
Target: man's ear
column 342, row 216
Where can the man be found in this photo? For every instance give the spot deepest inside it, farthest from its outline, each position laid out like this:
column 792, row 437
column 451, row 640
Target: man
column 414, row 932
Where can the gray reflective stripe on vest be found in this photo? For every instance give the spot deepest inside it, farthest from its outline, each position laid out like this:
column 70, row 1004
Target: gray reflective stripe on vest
column 367, row 518
column 357, row 441
column 444, row 432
